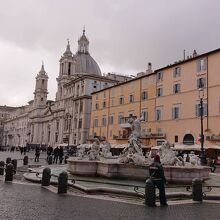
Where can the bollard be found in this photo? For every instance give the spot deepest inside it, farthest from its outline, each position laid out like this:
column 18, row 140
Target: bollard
column 2, row 168
column 25, row 160
column 14, row 162
column 9, row 172
column 8, row 160
column 150, row 194
column 62, row 182
column 65, row 159
column 45, row 181
column 197, row 194
column 50, row 159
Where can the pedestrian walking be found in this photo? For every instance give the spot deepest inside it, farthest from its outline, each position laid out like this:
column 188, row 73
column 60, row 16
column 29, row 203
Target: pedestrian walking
column 37, row 154
column 55, row 154
column 157, row 176
column 60, row 152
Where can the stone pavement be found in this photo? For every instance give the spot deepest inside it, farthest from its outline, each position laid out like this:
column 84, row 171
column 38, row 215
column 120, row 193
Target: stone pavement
column 25, row 202
column 30, row 201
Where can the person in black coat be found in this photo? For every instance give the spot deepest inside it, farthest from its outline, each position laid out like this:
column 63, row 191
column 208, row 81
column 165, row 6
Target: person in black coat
column 55, row 154
column 157, row 176
column 37, row 154
column 49, row 151
column 60, row 152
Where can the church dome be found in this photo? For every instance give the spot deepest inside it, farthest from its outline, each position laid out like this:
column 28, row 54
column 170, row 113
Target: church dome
column 84, row 62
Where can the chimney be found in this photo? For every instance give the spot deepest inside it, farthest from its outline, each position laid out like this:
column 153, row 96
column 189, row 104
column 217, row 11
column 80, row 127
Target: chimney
column 194, row 53
column 149, row 69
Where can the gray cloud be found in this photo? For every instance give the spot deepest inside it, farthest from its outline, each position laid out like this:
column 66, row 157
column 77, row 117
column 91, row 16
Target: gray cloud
column 124, row 36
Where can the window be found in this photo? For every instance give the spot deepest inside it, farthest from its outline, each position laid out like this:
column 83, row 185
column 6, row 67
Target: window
column 104, row 120
column 176, row 138
column 96, row 122
column 56, row 137
column 104, row 104
column 121, row 100
column 198, row 109
column 159, row 76
column 176, row 72
column 42, row 99
column 97, row 96
column 144, row 113
column 81, row 106
column 158, row 114
column 69, row 68
column 201, row 83
column 104, row 95
column 96, row 106
column 94, row 85
column 57, row 125
column 120, row 118
column 176, row 88
column 131, row 98
column 201, row 64
column 112, row 102
column 175, row 112
column 42, row 82
column 111, row 119
column 159, row 92
column 144, row 95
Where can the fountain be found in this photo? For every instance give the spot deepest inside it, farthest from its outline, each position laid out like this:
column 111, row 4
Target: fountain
column 132, row 163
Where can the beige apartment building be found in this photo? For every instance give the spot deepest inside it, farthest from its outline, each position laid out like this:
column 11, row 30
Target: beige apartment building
column 169, row 99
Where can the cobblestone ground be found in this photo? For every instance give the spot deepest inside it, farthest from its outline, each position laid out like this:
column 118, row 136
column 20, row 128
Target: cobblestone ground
column 25, row 202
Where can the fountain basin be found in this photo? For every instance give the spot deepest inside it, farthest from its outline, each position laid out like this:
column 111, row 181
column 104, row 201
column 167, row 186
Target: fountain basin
column 114, row 169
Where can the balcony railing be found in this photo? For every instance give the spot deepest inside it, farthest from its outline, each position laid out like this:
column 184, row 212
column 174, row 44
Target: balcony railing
column 146, row 136
column 213, row 138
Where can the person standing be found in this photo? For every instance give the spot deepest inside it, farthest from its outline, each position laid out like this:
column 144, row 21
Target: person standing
column 60, row 152
column 157, row 176
column 49, row 151
column 55, row 154
column 21, row 149
column 37, row 154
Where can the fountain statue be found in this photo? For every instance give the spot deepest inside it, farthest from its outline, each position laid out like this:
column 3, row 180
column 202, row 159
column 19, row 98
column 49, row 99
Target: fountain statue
column 106, row 147
column 95, row 150
column 132, row 153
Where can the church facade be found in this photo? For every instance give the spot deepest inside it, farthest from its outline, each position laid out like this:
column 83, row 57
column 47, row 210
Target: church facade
column 66, row 120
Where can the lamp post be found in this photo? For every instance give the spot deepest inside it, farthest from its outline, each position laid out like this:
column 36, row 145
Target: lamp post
column 202, row 153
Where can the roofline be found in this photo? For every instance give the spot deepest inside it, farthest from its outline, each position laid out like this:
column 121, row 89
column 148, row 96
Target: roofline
column 187, row 60
column 163, row 68
column 86, row 76
column 122, row 83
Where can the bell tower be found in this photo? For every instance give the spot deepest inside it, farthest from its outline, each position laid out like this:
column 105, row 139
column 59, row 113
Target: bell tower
column 40, row 93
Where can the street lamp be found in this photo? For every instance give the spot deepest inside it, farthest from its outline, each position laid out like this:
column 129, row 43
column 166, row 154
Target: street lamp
column 202, row 153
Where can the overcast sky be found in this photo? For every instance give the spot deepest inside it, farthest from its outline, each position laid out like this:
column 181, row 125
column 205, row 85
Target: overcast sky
column 124, row 36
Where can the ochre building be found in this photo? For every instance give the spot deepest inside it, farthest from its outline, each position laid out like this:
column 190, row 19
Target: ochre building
column 168, row 98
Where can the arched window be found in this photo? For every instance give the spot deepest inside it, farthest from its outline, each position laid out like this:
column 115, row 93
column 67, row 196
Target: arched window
column 188, row 139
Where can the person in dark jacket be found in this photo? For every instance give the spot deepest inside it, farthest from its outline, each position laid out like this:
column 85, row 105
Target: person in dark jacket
column 157, row 176
column 49, row 151
column 55, row 154
column 37, row 154
column 60, row 152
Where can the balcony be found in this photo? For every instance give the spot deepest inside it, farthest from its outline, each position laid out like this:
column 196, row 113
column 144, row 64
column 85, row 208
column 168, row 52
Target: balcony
column 155, row 135
column 213, row 137
column 146, row 136
column 124, row 122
